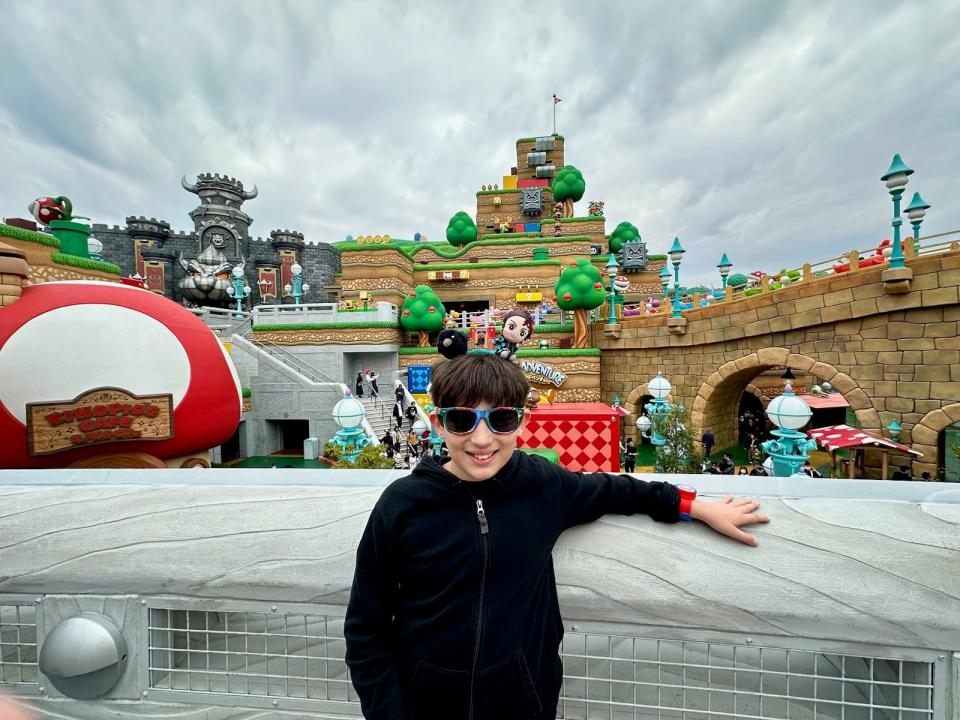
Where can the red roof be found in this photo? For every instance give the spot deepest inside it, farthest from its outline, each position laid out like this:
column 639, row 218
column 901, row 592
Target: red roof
column 837, row 437
column 819, row 402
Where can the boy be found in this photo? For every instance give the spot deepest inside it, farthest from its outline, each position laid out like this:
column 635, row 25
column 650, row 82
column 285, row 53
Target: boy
column 453, row 613
column 630, row 456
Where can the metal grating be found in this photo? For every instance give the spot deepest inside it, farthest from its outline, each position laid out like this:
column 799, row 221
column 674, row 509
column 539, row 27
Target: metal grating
column 18, row 644
column 267, row 654
column 620, row 677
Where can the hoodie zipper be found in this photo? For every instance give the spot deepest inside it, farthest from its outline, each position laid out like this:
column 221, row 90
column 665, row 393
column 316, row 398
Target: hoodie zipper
column 484, row 539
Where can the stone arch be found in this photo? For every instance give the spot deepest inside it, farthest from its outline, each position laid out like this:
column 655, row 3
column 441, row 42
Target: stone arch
column 925, row 434
column 717, row 399
column 755, row 391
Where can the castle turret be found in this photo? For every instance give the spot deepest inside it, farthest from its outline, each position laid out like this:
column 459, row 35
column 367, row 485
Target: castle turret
column 219, row 220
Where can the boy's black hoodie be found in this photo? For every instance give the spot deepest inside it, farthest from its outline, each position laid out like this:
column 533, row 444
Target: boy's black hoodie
column 454, row 611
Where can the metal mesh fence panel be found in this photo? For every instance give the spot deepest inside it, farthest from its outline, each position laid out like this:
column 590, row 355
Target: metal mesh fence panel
column 619, row 677
column 282, row 655
column 18, row 644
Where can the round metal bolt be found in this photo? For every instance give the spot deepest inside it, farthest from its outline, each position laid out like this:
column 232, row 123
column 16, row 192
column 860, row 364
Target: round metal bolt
column 41, row 689
column 143, row 602
column 36, row 601
column 573, row 628
column 941, row 657
column 144, row 694
column 273, row 608
column 749, row 641
column 276, row 703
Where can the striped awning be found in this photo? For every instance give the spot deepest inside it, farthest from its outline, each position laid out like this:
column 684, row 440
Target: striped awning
column 837, row 437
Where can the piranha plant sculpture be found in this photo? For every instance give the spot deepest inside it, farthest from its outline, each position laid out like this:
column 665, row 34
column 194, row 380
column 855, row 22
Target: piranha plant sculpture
column 57, row 214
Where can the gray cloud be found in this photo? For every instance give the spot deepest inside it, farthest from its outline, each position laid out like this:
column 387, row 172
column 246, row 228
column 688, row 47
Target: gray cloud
column 759, row 129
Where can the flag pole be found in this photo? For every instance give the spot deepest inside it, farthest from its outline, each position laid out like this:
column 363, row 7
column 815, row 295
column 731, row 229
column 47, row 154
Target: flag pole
column 554, row 114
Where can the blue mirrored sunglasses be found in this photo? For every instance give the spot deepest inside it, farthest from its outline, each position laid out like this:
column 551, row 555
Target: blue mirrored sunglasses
column 464, row 420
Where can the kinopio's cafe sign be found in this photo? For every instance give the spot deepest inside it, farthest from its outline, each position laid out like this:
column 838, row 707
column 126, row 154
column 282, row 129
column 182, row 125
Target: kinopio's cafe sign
column 100, row 416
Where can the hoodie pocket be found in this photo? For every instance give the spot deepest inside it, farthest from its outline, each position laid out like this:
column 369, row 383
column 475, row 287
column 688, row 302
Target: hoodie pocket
column 506, row 691
column 438, row 693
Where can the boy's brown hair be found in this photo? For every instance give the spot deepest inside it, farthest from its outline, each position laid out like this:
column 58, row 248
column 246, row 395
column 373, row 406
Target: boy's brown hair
column 469, row 380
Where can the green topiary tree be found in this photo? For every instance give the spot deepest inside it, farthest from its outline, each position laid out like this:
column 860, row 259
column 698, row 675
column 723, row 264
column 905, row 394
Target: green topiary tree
column 568, row 187
column 370, row 458
column 579, row 288
column 679, row 453
column 422, row 311
column 624, row 232
column 461, row 229
column 737, row 281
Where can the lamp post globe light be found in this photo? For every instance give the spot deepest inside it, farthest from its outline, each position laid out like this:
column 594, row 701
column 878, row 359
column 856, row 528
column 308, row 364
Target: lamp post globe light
column 790, row 450
column 348, row 414
column 657, row 409
column 916, row 211
column 95, row 248
column 665, row 281
column 724, row 267
column 612, row 269
column 676, row 257
column 299, row 288
column 239, row 291
column 896, row 180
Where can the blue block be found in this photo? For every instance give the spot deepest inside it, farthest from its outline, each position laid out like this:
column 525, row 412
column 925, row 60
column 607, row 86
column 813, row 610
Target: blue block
column 418, row 377
column 531, row 227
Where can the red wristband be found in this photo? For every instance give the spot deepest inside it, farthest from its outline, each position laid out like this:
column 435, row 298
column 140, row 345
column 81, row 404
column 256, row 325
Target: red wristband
column 687, row 496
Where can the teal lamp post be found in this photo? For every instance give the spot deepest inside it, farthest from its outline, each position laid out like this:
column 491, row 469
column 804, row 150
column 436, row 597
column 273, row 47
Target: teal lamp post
column 665, row 281
column 896, row 180
column 790, row 450
column 239, row 291
column 916, row 210
column 612, row 269
column 299, row 288
column 349, row 414
column 894, row 429
column 657, row 409
column 676, row 257
column 724, row 267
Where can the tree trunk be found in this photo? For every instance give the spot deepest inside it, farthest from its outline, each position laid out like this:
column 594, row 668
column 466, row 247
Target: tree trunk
column 580, row 328
column 568, row 207
column 424, row 338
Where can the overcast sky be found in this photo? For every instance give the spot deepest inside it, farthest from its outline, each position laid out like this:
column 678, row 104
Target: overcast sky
column 759, row 129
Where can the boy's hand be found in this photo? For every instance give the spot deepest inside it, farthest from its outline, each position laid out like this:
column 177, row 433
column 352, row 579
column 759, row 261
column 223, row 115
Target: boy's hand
column 728, row 515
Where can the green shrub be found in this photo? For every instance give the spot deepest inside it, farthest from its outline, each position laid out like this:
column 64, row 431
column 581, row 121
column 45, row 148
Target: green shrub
column 28, row 235
column 85, row 263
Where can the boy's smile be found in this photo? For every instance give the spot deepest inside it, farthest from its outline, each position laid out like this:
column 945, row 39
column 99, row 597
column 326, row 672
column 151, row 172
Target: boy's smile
column 478, row 455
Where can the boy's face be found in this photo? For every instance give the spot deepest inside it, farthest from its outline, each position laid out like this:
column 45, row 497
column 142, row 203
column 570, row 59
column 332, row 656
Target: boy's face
column 478, row 455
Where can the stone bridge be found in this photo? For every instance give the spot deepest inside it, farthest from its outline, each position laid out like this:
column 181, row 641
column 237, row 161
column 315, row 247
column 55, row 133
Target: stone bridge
column 891, row 347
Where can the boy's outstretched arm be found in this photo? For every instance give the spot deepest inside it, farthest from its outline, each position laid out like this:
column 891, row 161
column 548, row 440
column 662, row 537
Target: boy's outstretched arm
column 727, row 516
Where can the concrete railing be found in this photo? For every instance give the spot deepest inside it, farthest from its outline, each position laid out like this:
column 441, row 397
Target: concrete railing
column 229, row 589
column 321, row 313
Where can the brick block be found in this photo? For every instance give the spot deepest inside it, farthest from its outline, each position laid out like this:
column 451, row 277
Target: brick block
column 867, row 372
column 899, row 404
column 939, row 296
column 924, row 435
column 889, row 303
column 838, row 297
column 809, row 303
column 940, row 330
column 923, row 315
column 948, row 391
column 898, row 330
column 941, row 357
column 914, row 389
column 916, row 344
column 932, row 372
column 825, row 372
column 879, row 345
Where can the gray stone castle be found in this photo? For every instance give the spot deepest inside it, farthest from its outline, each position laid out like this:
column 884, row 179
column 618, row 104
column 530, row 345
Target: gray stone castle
column 197, row 267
